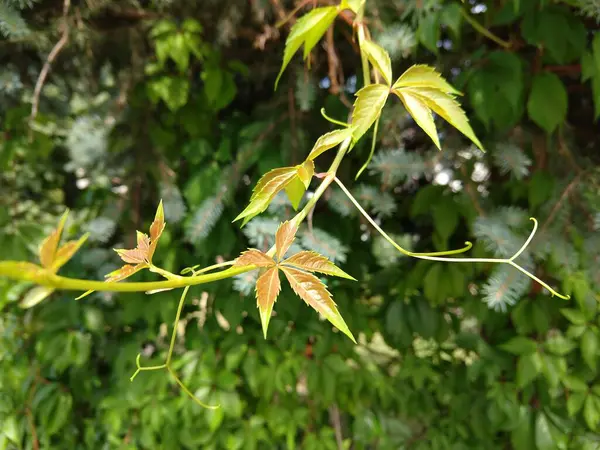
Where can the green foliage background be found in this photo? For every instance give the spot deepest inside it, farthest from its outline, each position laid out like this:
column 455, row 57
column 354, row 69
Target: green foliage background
column 174, row 100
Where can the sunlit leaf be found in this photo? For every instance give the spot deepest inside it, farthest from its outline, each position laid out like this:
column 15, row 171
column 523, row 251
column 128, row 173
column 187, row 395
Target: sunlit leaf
column 254, row 257
column 124, row 272
column 286, row 233
column 268, row 286
column 35, row 296
column 306, row 170
column 448, row 108
column 314, row 262
column 422, row 76
column 267, row 187
column 330, row 140
column 50, row 244
column 308, row 30
column 380, row 60
column 156, row 229
column 420, row 112
column 310, row 289
column 367, row 108
column 295, row 191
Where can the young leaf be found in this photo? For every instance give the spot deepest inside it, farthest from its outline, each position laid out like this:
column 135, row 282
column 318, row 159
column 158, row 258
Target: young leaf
column 422, row 76
column 314, row 262
column 124, row 272
column 66, row 252
column 419, row 111
column 286, row 233
column 295, row 191
column 307, row 30
column 306, row 170
column 254, row 257
column 267, row 187
column 367, row 108
column 156, row 229
column 380, row 60
column 449, row 109
column 310, row 289
column 268, row 286
column 138, row 255
column 330, row 140
column 49, row 246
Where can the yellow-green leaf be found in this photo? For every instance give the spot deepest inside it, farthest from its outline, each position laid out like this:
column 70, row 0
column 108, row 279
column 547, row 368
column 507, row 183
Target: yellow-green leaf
column 380, row 60
column 295, row 191
column 330, row 140
column 314, row 262
column 50, row 244
column 448, row 108
column 420, row 112
column 66, row 252
column 310, row 289
column 307, row 30
column 423, row 76
column 367, row 108
column 268, row 286
column 306, row 170
column 35, row 296
column 267, row 187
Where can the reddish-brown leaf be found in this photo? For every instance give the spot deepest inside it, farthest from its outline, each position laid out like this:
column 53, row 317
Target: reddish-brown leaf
column 156, row 229
column 254, row 257
column 286, row 233
column 138, row 255
column 66, row 252
column 310, row 289
column 314, row 262
column 50, row 244
column 268, row 286
column 124, row 272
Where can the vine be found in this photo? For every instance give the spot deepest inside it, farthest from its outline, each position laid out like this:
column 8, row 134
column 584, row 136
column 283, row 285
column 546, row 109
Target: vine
column 422, row 91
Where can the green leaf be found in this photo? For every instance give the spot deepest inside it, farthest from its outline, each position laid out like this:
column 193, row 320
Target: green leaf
column 265, row 190
column 308, row 30
column 519, row 345
column 429, row 31
column 380, row 60
column 559, row 345
column 423, row 76
column 591, row 412
column 529, row 367
column 574, row 316
column 295, row 191
column 369, row 103
column 574, row 384
column 543, row 437
column 330, row 140
column 451, row 16
column 449, row 109
column 589, row 348
column 548, row 101
column 420, row 112
column 445, row 216
column 35, row 296
column 575, row 402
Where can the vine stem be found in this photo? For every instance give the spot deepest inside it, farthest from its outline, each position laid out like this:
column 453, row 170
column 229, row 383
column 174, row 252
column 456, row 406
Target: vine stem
column 167, row 363
column 428, row 257
column 484, row 31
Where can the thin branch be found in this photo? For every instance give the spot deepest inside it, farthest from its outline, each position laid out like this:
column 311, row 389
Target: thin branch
column 334, row 417
column 49, row 60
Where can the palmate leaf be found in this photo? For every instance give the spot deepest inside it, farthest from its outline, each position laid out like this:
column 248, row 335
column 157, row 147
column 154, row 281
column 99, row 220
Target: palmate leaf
column 296, row 269
column 380, row 60
column 330, row 140
column 367, row 108
column 314, row 262
column 423, row 90
column 308, row 30
column 310, row 289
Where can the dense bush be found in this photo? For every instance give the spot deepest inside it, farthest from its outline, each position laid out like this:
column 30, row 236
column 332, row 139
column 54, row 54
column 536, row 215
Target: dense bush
column 107, row 107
